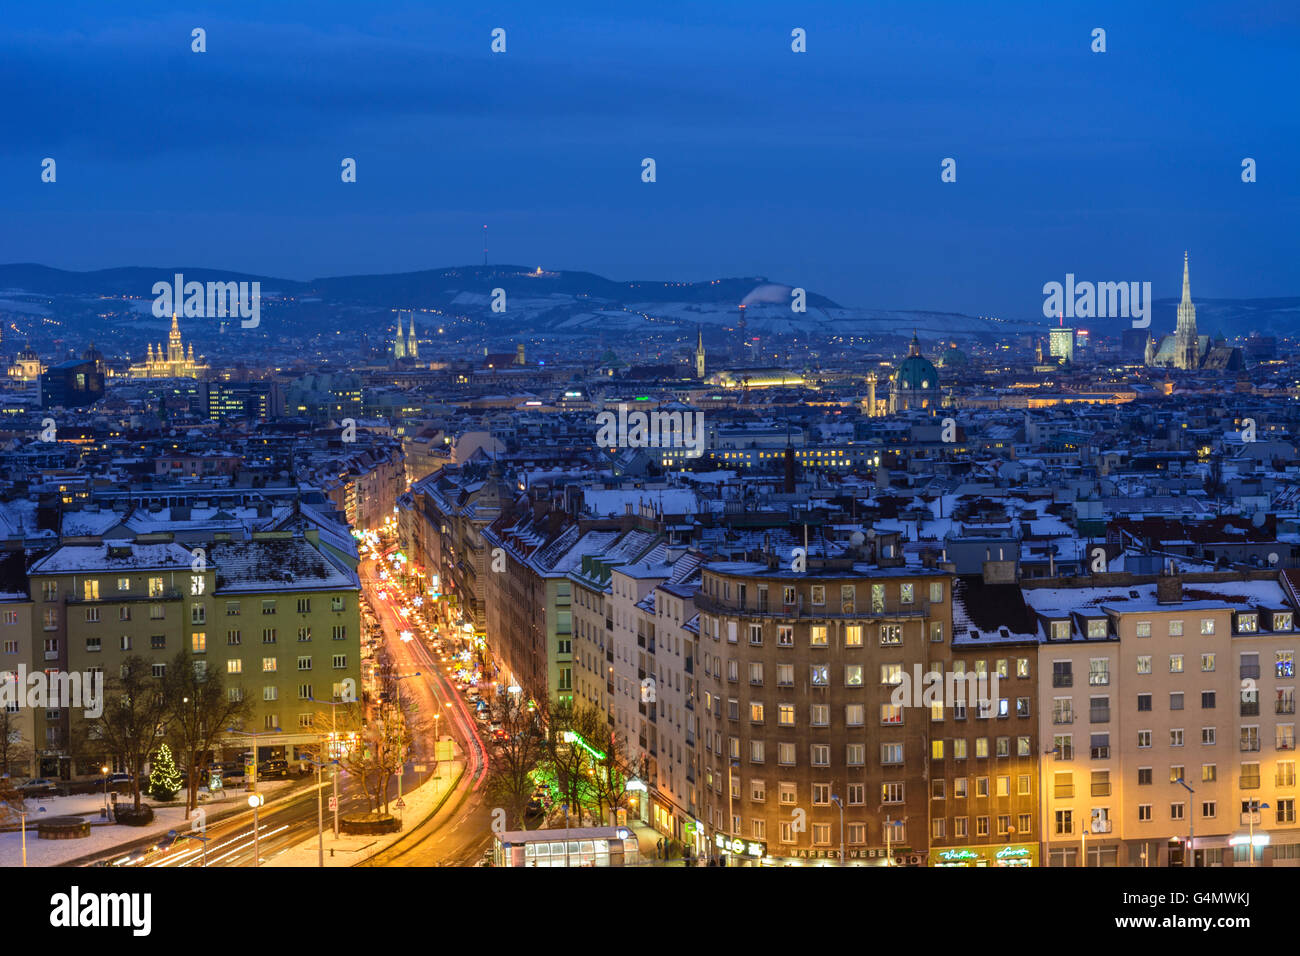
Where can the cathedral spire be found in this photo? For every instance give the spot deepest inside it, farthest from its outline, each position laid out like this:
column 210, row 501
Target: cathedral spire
column 1187, row 343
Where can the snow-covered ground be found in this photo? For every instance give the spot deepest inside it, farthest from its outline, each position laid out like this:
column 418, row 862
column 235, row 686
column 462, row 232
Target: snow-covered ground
column 103, row 835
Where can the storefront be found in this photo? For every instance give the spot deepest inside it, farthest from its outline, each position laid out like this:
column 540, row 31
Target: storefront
column 865, row 856
column 1007, row 854
column 739, row 852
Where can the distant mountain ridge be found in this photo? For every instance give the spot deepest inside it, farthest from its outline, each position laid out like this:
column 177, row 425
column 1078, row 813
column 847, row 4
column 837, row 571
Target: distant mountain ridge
column 580, row 303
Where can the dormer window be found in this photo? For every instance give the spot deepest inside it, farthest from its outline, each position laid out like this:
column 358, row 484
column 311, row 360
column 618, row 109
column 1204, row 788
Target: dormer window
column 1281, row 620
column 1097, row 627
column 1247, row 623
column 1060, row 630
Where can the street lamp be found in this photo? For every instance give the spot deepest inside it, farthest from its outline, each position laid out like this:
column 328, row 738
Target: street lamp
column 334, row 776
column 840, row 803
column 104, row 770
column 1191, row 823
column 320, row 810
column 1042, row 793
column 1255, row 807
column 401, row 748
column 255, row 800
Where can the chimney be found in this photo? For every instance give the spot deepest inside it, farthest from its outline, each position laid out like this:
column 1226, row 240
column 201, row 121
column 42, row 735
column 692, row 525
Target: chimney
column 1169, row 588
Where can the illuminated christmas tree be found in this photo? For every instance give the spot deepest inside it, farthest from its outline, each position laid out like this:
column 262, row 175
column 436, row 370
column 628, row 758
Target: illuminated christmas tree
column 164, row 780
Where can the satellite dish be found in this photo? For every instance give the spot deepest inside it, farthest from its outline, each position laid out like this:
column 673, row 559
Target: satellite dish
column 1272, row 557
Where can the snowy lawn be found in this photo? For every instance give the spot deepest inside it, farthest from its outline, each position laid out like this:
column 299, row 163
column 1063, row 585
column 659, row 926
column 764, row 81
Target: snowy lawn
column 103, row 835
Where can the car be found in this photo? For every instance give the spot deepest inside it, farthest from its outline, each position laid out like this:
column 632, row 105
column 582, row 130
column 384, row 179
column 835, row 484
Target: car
column 38, row 785
column 269, row 769
column 487, row 859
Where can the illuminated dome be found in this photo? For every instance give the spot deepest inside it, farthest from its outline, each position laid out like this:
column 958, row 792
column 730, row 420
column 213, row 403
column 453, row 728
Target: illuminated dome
column 915, row 383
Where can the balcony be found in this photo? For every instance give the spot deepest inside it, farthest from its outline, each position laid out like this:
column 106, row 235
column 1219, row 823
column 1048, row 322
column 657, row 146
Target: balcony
column 1063, row 717
column 1062, row 680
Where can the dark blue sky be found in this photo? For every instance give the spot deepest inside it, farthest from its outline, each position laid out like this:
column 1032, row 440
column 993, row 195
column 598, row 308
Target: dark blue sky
column 818, row 169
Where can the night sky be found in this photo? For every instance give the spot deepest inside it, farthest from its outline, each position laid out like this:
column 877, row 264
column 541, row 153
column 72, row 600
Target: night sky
column 819, row 169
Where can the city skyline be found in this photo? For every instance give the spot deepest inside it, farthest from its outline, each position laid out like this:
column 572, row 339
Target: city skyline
column 800, row 172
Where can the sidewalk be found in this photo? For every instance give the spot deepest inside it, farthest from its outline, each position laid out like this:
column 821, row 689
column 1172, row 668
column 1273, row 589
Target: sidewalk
column 346, row 850
column 647, row 838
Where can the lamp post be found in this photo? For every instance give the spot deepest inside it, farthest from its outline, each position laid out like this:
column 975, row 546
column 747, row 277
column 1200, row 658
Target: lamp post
column 334, row 775
column 840, row 803
column 1255, row 807
column 104, row 771
column 1191, row 823
column 320, row 810
column 254, row 799
column 401, row 744
column 22, row 817
column 1042, row 793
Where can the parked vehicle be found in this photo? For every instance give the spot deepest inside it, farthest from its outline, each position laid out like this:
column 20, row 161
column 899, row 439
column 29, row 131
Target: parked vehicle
column 273, row 769
column 38, row 786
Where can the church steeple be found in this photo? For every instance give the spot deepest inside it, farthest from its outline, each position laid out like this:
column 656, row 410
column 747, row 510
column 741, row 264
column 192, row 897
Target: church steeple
column 1187, row 350
column 399, row 343
column 699, row 352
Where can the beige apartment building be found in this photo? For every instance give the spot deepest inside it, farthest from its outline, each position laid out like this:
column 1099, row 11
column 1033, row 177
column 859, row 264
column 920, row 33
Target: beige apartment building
column 1143, row 685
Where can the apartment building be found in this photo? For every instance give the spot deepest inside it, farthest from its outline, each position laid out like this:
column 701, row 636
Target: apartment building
column 593, row 622
column 97, row 603
column 1168, row 718
column 276, row 615
column 805, row 750
column 17, row 637
column 984, row 747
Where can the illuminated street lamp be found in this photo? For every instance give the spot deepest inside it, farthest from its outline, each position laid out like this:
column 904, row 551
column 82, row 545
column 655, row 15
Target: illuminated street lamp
column 255, row 800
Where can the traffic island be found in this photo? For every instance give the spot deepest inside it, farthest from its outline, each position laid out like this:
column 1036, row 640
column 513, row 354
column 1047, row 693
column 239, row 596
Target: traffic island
column 63, row 828
column 368, row 824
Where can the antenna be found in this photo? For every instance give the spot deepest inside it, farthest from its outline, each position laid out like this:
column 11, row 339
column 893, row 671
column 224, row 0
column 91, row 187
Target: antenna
column 485, row 247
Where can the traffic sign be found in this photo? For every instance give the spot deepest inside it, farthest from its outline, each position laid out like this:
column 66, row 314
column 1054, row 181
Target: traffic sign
column 334, row 803
column 400, row 804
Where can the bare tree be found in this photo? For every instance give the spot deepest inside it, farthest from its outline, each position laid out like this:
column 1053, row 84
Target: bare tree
column 379, row 745
column 201, row 713
column 136, row 707
column 612, row 773
column 517, row 751
column 573, row 764
column 11, row 801
column 15, row 753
